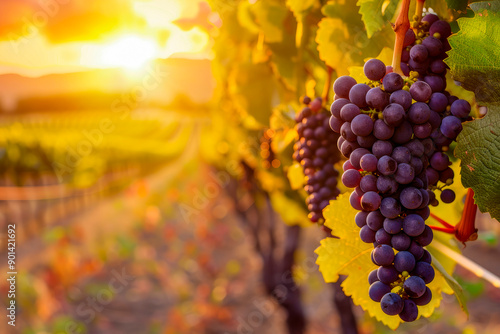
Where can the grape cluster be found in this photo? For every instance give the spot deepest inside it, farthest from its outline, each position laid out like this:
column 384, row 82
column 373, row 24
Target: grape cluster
column 422, row 58
column 315, row 151
column 395, row 132
column 266, row 151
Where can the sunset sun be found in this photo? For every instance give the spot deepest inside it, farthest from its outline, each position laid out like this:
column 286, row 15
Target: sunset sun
column 128, row 52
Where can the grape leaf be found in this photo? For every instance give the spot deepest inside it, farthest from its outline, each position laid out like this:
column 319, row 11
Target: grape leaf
column 270, row 16
column 457, row 289
column 479, row 149
column 376, row 13
column 475, row 56
column 298, row 7
column 348, row 255
column 482, row 5
column 296, row 176
column 290, row 209
column 333, row 53
column 459, row 5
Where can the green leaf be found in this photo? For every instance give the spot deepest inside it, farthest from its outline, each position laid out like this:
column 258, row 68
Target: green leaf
column 475, row 56
column 348, row 255
column 376, row 13
column 479, row 149
column 459, row 5
column 482, row 5
column 457, row 289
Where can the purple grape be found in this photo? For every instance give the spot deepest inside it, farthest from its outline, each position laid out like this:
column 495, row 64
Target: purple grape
column 438, row 66
column 419, row 53
column 434, row 120
column 393, row 82
column 393, row 114
column 404, row 174
column 430, row 18
column 410, row 311
column 356, row 156
column 372, row 277
column 378, row 290
column 368, row 183
column 355, row 201
column 400, row 241
column 403, row 133
column 386, row 185
column 433, row 45
column 374, row 69
column 425, row 271
column 362, row 125
column 401, row 97
column 381, row 148
column 440, row 27
column 343, row 85
column 420, row 91
column 370, row 201
column 391, row 303
column 357, row 95
column 387, row 274
column 426, row 237
column 367, row 235
column 390, row 207
column 376, row 98
column 436, row 82
column 382, row 237
column 416, row 148
column 411, row 198
column 404, row 261
column 424, row 299
column 393, row 226
column 382, row 131
column 413, row 225
column 427, row 258
column 401, row 154
column 414, row 286
column 409, row 38
column 366, row 142
column 460, row 108
column 447, row 196
column 346, row 132
column 387, row 165
column 439, row 161
column 369, row 162
column 349, row 111
column 419, row 112
column 337, row 106
column 351, row 178
column 383, row 255
column 422, row 131
column 375, row 220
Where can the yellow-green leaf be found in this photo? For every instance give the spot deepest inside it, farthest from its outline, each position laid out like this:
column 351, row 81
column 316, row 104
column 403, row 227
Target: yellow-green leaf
column 348, row 255
column 376, row 13
column 332, row 37
column 296, row 176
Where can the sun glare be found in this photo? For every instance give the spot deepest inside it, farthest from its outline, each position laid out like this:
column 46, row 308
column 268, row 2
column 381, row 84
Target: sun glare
column 129, row 52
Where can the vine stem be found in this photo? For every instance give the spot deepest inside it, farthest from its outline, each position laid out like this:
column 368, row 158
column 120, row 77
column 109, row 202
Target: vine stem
column 467, row 264
column 328, row 84
column 418, row 13
column 400, row 28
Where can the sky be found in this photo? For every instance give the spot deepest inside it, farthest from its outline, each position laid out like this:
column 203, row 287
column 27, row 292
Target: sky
column 40, row 37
